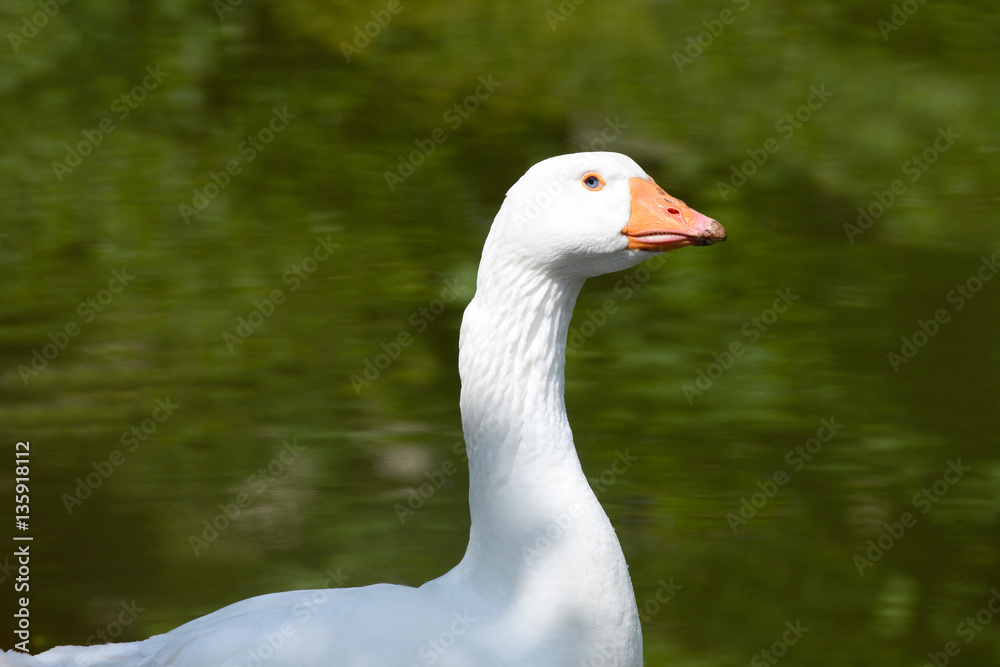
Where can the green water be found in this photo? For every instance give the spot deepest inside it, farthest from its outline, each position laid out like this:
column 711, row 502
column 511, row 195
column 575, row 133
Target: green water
column 214, row 228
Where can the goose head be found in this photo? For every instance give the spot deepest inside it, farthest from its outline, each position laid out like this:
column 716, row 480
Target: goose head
column 587, row 214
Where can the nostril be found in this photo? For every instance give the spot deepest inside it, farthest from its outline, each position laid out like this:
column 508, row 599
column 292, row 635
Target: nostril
column 673, row 211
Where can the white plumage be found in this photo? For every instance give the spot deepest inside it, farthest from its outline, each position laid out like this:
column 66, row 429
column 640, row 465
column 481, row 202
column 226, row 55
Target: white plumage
column 543, row 581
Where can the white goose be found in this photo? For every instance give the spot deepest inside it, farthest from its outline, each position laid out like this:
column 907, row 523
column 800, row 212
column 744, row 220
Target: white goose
column 543, row 581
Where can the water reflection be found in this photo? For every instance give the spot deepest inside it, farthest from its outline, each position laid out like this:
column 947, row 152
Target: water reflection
column 272, row 266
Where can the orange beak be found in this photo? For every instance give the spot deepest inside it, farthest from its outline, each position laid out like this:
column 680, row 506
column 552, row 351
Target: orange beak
column 659, row 222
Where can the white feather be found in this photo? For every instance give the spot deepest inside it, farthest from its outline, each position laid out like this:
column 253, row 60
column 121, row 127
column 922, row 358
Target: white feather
column 543, row 581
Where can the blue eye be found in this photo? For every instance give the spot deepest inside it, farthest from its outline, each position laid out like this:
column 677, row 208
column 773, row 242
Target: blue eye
column 592, row 181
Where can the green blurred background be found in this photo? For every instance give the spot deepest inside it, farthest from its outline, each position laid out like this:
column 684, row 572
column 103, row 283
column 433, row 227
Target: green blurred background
column 692, row 91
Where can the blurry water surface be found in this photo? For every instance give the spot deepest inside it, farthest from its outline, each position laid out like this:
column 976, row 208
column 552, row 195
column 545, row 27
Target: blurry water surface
column 235, row 251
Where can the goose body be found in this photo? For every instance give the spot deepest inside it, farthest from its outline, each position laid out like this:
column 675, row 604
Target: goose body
column 543, row 580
